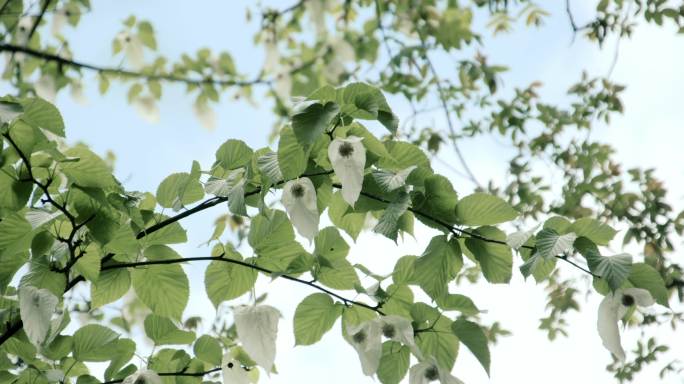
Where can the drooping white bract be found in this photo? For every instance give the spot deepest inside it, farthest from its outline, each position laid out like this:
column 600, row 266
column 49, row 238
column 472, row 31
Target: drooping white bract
column 517, row 239
column 348, row 159
column 46, row 88
column 366, row 338
column 76, row 92
column 133, row 49
column 429, row 371
column 146, row 106
column 143, row 376
column 59, row 20
column 613, row 307
column 257, row 328
column 36, row 307
column 233, row 372
column 399, row 329
column 205, row 114
column 299, row 199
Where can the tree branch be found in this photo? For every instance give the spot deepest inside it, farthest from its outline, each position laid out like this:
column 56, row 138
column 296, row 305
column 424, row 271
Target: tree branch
column 182, row 373
column 149, row 76
column 255, row 267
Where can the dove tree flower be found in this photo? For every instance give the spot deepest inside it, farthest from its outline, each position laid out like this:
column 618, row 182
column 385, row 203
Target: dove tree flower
column 36, row 307
column 147, row 108
column 133, row 48
column 143, row 376
column 299, row 199
column 613, row 307
column 348, row 158
column 205, row 114
column 366, row 338
column 257, row 328
column 429, row 371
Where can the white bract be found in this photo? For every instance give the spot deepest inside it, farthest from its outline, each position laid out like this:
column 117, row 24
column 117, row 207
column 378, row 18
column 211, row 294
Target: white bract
column 205, row 115
column 613, row 308
column 146, row 106
column 257, row 328
column 36, row 307
column 429, row 371
column 299, row 199
column 517, row 239
column 348, row 159
column 143, row 376
column 133, row 49
column 234, row 373
column 366, row 338
column 46, row 88
column 59, row 20
column 76, row 92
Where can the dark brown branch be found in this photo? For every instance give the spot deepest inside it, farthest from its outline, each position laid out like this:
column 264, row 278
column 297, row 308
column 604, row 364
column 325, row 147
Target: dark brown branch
column 267, row 271
column 182, row 373
column 46, row 4
column 151, row 76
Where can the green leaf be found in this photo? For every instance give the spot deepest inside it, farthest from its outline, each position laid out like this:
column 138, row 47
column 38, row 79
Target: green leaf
column 110, row 286
column 163, row 288
column 440, row 343
column 350, row 222
column 330, row 244
column 389, row 223
column 537, row 266
column 15, row 234
column 292, row 158
column 208, row 349
column 613, row 269
column 456, row 302
column 178, row 190
column 550, row 244
column 93, row 343
column 394, row 362
column 646, row 277
column 233, row 154
column 42, row 114
column 484, row 209
column 472, row 336
column 496, row 260
column 403, row 270
column 122, row 351
column 438, row 265
column 338, row 274
column 225, row 281
column 310, row 123
column 594, row 230
column 87, row 170
column 162, row 331
column 314, row 316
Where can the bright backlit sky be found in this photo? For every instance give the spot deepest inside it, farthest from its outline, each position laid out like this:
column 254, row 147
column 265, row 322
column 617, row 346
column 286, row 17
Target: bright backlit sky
column 648, row 135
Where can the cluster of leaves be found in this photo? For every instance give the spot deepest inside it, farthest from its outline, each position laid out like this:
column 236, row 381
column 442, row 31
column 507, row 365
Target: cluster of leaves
column 389, row 44
column 67, row 219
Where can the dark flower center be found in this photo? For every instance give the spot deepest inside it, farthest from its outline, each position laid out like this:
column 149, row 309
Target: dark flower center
column 297, row 190
column 359, row 337
column 346, row 149
column 230, row 365
column 140, row 380
column 431, row 373
column 627, row 300
column 388, row 331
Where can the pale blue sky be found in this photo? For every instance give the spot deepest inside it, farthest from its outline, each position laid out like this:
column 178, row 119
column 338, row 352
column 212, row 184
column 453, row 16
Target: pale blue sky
column 648, row 136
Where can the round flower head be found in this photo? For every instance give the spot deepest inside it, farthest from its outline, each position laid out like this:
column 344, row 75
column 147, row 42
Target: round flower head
column 613, row 307
column 366, row 338
column 429, row 371
column 348, row 158
column 143, row 377
column 299, row 199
